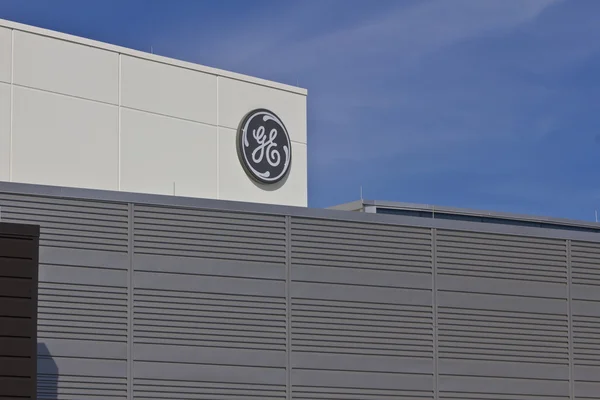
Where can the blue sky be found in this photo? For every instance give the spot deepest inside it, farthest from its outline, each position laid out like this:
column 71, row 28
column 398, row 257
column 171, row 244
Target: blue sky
column 483, row 104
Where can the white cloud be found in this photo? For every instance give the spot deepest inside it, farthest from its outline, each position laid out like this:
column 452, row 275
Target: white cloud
column 410, row 32
column 387, row 67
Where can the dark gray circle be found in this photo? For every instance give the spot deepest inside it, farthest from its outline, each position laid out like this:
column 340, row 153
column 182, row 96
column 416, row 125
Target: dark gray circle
column 264, row 146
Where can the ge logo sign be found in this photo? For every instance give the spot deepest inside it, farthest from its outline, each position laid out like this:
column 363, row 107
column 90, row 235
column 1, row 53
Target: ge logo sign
column 264, row 146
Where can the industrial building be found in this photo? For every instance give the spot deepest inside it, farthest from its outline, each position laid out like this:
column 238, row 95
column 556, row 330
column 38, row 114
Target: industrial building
column 178, row 259
column 79, row 113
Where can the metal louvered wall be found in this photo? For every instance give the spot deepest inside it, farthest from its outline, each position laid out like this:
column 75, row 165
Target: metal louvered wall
column 585, row 311
column 503, row 329
column 165, row 301
column 82, row 300
column 361, row 311
column 209, row 305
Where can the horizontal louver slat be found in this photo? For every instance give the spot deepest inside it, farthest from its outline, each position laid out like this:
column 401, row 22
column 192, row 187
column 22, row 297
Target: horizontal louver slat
column 65, row 223
column 209, row 234
column 358, row 256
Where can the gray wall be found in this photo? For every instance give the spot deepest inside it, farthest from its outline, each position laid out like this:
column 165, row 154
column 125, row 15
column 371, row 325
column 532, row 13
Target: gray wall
column 152, row 297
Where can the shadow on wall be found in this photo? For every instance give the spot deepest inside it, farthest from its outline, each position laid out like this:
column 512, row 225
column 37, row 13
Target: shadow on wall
column 47, row 385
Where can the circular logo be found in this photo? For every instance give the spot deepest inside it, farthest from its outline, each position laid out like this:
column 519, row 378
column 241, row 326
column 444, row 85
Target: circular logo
column 264, row 146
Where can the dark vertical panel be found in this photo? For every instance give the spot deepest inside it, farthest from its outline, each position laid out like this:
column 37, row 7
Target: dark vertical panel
column 18, row 310
column 34, row 313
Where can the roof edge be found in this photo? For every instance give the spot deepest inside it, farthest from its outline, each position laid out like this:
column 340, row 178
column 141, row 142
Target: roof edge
column 150, row 57
column 465, row 211
column 155, row 200
column 352, row 206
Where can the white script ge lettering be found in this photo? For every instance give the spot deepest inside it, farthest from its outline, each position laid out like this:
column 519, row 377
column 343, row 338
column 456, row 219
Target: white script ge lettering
column 266, row 146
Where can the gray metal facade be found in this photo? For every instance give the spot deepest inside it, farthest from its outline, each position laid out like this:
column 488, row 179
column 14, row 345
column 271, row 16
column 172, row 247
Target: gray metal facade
column 152, row 297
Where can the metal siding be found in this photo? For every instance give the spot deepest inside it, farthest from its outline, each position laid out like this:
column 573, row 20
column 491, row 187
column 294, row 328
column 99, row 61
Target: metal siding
column 585, row 288
column 82, row 294
column 502, row 316
column 209, row 305
column 194, row 303
column 361, row 310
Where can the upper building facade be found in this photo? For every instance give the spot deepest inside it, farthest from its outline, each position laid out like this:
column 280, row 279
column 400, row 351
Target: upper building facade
column 84, row 114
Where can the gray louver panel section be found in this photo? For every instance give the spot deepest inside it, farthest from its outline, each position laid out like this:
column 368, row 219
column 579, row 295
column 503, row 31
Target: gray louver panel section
column 82, row 310
column 337, row 385
column 72, row 387
column 225, row 320
column 221, row 388
column 503, row 330
column 209, row 305
column 210, row 234
column 72, row 224
column 347, row 245
column 585, row 293
column 361, row 311
column 519, row 258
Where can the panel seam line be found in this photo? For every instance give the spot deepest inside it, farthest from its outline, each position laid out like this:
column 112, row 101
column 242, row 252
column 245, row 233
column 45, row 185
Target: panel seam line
column 12, row 106
column 218, row 170
column 288, row 268
column 570, row 318
column 117, row 104
column 119, row 130
column 435, row 314
column 130, row 304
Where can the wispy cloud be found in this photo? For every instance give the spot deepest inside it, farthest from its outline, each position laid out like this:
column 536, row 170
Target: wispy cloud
column 422, row 88
column 373, row 69
column 271, row 45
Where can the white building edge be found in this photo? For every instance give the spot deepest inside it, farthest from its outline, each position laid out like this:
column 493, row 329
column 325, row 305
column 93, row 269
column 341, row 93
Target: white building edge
column 80, row 113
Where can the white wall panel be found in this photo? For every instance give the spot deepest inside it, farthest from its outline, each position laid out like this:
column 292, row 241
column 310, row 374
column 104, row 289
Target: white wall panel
column 175, row 130
column 64, row 141
column 234, row 184
column 5, row 54
column 168, row 90
column 4, row 132
column 64, row 67
column 157, row 151
column 236, row 98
